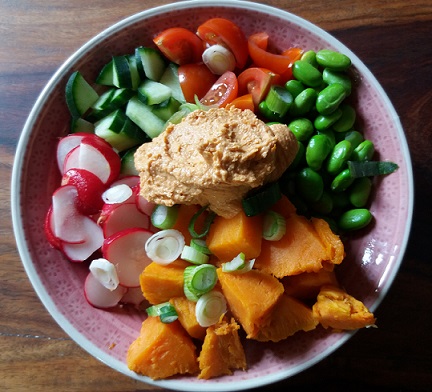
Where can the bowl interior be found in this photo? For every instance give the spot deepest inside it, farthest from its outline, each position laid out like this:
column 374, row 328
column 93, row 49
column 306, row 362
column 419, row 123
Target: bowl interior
column 373, row 256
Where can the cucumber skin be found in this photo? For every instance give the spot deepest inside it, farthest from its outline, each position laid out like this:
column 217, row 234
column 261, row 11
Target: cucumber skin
column 79, row 94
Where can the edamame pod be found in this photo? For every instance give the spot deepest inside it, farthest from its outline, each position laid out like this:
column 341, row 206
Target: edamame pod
column 302, row 128
column 307, row 73
column 333, row 60
column 339, row 156
column 317, row 150
column 330, row 98
column 355, row 219
column 309, row 184
column 347, row 119
column 364, row 151
column 360, row 191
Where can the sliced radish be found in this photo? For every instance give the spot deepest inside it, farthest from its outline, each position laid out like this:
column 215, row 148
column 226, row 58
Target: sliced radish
column 90, row 189
column 117, row 194
column 99, row 296
column 67, row 223
column 66, row 145
column 133, row 296
column 105, row 272
column 48, row 227
column 132, row 181
column 93, row 240
column 144, row 205
column 125, row 250
column 121, row 217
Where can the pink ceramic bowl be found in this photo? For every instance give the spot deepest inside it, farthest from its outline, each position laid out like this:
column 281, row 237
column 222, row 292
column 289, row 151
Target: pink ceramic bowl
column 373, row 258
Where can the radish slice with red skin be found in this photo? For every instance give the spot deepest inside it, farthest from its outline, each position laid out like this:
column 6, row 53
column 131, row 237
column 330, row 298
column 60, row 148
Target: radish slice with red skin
column 134, row 296
column 66, row 145
column 144, row 205
column 132, row 181
column 94, row 239
column 122, row 217
column 52, row 239
column 67, row 223
column 99, row 296
column 125, row 250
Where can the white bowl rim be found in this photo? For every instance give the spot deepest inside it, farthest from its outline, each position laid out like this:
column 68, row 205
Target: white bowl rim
column 23, row 250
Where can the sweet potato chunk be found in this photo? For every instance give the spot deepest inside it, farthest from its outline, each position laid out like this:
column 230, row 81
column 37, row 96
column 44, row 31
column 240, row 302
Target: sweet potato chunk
column 159, row 283
column 162, row 350
column 251, row 297
column 338, row 310
column 331, row 241
column 222, row 350
column 186, row 315
column 301, row 249
column 308, row 284
column 287, row 317
column 228, row 237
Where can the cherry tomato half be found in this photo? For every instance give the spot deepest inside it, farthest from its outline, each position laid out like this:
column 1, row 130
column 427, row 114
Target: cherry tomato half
column 224, row 32
column 195, row 79
column 180, row 45
column 244, row 102
column 278, row 63
column 257, row 81
column 223, row 91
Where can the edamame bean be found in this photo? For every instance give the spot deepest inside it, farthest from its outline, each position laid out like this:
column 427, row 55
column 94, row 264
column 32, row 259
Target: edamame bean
column 331, row 77
column 267, row 113
column 317, row 150
column 299, row 158
column 330, row 98
column 303, row 103
column 339, row 157
column 309, row 184
column 342, row 181
column 360, row 191
column 355, row 219
column 354, row 137
column 302, row 128
column 340, row 200
column 307, row 73
column 295, row 87
column 324, row 205
column 346, row 120
column 324, row 122
column 364, row 151
column 310, row 57
column 330, row 135
column 333, row 60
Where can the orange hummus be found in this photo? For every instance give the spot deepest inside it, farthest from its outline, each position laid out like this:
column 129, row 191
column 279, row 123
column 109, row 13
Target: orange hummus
column 214, row 158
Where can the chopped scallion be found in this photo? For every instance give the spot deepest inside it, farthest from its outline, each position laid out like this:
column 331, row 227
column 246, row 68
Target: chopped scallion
column 198, row 280
column 164, row 217
column 165, row 246
column 207, row 223
column 238, row 264
column 210, row 307
column 262, row 200
column 274, row 227
column 200, row 245
column 371, row 168
column 279, row 100
column 193, row 255
column 165, row 311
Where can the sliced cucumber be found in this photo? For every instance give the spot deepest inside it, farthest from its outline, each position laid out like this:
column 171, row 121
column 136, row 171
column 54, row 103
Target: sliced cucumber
column 170, row 78
column 121, row 72
column 79, row 95
column 106, row 75
column 78, row 124
column 142, row 115
column 166, row 109
column 150, row 63
column 152, row 93
column 121, row 97
column 128, row 164
column 133, row 68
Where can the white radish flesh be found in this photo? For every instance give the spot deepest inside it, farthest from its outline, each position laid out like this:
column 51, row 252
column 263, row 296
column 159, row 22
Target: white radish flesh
column 99, row 296
column 67, row 144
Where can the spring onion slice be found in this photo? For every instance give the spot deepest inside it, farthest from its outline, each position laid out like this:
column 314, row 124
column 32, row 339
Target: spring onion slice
column 193, row 255
column 238, row 264
column 279, row 100
column 207, row 223
column 209, row 308
column 105, row 272
column 219, row 59
column 198, row 280
column 371, row 168
column 262, row 200
column 274, row 227
column 165, row 311
column 117, row 194
column 165, row 246
column 200, row 245
column 164, row 217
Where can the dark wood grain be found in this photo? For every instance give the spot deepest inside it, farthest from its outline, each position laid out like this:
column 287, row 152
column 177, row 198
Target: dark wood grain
column 393, row 38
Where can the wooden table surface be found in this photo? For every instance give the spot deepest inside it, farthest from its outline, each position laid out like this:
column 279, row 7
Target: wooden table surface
column 393, row 38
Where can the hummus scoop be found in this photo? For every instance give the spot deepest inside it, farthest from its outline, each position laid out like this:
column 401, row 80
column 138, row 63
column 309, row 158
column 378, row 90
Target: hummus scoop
column 214, row 158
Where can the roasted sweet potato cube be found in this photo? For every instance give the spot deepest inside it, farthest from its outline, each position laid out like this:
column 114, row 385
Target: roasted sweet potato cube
column 186, row 315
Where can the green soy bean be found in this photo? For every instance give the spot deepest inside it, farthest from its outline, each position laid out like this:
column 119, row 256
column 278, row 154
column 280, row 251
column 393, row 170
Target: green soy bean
column 299, row 158
column 324, row 205
column 347, row 119
column 303, row 103
column 309, row 184
column 330, row 135
column 334, row 60
column 339, row 156
column 302, row 128
column 331, row 77
column 329, row 99
column 317, row 150
column 364, row 151
column 307, row 73
column 322, row 122
column 360, row 191
column 310, row 57
column 354, row 137
column 295, row 87
column 355, row 219
column 342, row 181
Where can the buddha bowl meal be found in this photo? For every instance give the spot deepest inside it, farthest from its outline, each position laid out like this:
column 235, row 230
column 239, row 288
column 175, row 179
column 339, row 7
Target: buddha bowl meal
column 223, row 196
